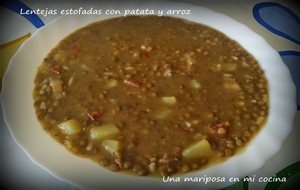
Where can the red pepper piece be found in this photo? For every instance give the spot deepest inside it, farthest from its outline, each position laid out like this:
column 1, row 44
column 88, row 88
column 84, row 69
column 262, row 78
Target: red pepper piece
column 57, row 69
column 95, row 115
column 145, row 55
column 75, row 51
column 186, row 131
column 214, row 129
column 131, row 83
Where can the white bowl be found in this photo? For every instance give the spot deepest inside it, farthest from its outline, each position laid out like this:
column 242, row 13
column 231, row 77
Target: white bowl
column 19, row 112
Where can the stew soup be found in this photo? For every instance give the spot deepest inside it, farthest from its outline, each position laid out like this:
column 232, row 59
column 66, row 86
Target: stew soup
column 151, row 95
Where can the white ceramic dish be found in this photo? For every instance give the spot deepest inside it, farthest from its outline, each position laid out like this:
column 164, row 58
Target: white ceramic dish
column 19, row 113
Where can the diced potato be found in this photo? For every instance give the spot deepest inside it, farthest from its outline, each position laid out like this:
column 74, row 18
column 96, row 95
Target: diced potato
column 104, row 131
column 169, row 100
column 265, row 98
column 85, row 68
column 227, row 75
column 167, row 73
column 112, row 146
column 112, row 83
column 151, row 167
column 229, row 67
column 43, row 105
column 129, row 68
column 245, row 64
column 234, row 58
column 189, row 57
column 190, row 60
column 197, row 150
column 71, row 127
column 215, row 67
column 163, row 114
column 195, row 84
column 59, row 56
column 240, row 103
column 231, row 84
column 56, row 85
column 260, row 120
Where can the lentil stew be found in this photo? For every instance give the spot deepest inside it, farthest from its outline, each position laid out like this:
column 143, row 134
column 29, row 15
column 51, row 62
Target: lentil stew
column 151, row 95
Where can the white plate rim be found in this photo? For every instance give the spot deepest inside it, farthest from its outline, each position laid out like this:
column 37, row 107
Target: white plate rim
column 278, row 89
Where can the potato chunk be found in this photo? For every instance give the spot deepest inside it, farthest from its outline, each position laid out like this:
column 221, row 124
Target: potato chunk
column 229, row 67
column 112, row 83
column 71, row 127
column 197, row 150
column 162, row 114
column 104, row 131
column 230, row 83
column 112, row 146
column 56, row 85
column 195, row 84
column 169, row 100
